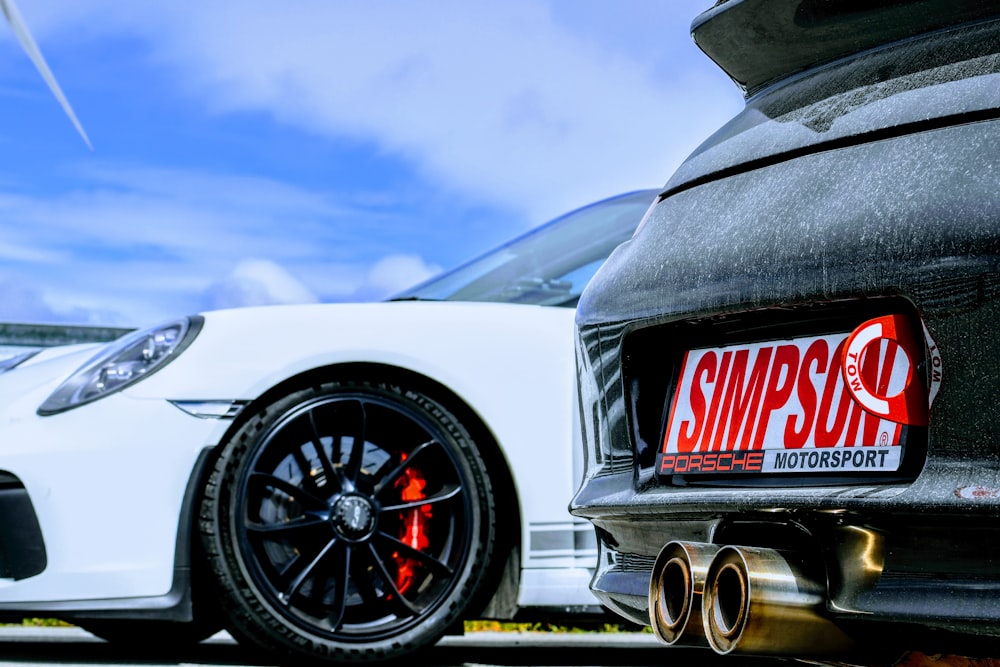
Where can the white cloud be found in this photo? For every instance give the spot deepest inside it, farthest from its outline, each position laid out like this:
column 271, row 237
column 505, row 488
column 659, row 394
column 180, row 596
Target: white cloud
column 148, row 244
column 259, row 282
column 142, row 245
column 397, row 272
column 525, row 105
column 515, row 103
column 21, row 301
column 496, row 100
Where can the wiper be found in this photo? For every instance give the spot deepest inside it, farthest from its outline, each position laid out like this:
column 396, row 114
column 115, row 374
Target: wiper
column 536, row 288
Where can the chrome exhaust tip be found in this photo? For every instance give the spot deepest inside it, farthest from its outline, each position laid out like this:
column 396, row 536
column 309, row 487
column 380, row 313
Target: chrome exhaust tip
column 675, row 590
column 765, row 602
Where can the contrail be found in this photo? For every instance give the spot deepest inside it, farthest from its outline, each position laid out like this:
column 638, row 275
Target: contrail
column 24, row 36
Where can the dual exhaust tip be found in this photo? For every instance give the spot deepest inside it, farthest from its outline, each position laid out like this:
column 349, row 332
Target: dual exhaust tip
column 741, row 600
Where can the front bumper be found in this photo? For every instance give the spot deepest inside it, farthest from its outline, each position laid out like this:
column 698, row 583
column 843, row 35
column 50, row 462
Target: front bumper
column 106, row 483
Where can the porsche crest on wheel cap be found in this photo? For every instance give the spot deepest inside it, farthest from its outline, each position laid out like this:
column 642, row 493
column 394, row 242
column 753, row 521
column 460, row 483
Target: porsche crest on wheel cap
column 353, row 517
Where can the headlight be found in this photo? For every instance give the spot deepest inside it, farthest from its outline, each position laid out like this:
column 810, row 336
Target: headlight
column 123, row 362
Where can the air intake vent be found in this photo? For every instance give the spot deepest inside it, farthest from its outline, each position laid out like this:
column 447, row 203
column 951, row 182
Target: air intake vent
column 22, row 549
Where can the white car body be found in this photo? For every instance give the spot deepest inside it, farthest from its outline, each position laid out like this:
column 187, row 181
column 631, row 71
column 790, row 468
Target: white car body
column 110, row 544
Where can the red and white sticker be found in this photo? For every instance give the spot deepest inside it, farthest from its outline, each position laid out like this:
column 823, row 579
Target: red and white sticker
column 832, row 403
column 896, row 398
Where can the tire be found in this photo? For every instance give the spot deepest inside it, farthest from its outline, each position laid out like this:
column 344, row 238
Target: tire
column 350, row 521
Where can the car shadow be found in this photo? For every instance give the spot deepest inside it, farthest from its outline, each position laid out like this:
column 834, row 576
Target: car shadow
column 502, row 649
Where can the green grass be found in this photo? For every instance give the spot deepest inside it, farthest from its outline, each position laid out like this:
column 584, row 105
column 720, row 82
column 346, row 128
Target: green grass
column 470, row 626
column 41, row 623
column 499, row 626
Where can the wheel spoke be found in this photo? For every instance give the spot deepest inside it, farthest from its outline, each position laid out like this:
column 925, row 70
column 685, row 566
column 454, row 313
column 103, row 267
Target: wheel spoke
column 288, row 529
column 358, row 446
column 296, row 583
column 260, row 480
column 402, row 605
column 324, row 460
column 294, row 438
column 308, row 476
column 433, row 563
column 447, row 493
column 387, row 481
column 340, row 577
column 366, row 588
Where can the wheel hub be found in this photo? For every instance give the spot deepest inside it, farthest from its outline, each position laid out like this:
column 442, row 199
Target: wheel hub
column 353, row 517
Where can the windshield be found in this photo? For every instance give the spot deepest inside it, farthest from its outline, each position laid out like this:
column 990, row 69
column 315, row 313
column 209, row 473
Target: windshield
column 548, row 266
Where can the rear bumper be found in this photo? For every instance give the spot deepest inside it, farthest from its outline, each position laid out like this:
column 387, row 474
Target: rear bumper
column 913, row 547
column 923, row 554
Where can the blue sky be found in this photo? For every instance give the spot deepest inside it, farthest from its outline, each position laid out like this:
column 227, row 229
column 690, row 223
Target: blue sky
column 249, row 152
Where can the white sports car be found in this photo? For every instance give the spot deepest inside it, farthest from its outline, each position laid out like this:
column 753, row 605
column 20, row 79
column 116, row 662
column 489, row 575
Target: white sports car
column 338, row 481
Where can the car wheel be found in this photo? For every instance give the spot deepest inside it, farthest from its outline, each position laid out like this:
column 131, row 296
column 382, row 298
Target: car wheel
column 348, row 521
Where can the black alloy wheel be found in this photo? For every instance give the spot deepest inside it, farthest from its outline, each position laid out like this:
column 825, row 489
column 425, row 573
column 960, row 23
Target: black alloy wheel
column 348, row 521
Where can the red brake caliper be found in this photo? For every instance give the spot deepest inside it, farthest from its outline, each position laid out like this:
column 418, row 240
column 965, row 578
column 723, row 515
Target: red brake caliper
column 413, row 525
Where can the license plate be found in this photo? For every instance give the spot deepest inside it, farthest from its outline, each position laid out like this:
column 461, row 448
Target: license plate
column 836, row 403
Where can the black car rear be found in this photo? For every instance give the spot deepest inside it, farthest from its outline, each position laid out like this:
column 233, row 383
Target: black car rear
column 789, row 377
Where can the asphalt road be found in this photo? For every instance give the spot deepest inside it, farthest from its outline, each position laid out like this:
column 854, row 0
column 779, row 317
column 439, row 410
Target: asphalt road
column 72, row 647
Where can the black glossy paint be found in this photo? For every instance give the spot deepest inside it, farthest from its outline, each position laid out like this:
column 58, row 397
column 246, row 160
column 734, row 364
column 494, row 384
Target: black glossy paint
column 760, row 41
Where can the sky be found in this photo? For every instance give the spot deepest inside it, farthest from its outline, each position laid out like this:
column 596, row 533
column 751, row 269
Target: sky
column 249, row 152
